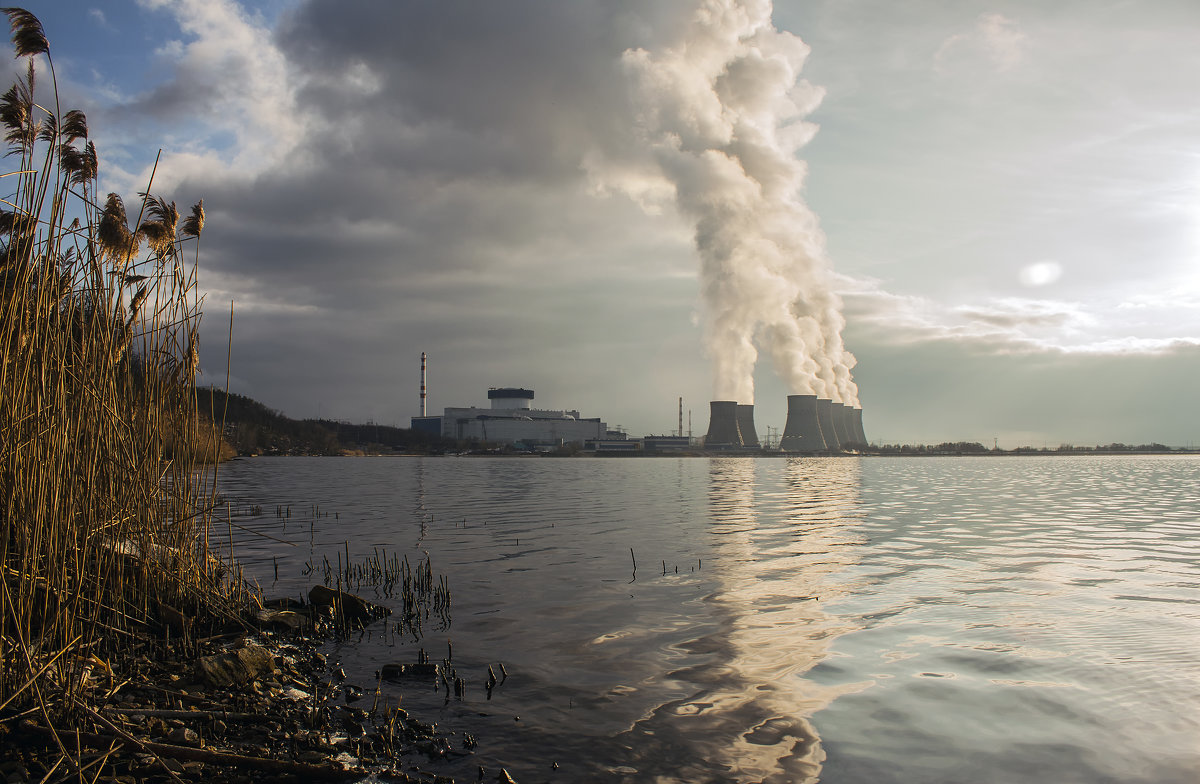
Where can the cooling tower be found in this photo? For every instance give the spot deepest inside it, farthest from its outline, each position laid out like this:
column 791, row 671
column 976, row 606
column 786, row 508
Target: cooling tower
column 840, row 425
column 745, row 422
column 856, row 425
column 802, row 433
column 825, row 417
column 723, row 430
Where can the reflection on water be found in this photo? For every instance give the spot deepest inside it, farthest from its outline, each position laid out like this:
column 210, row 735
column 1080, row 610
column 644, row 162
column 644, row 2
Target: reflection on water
column 781, row 541
column 1030, row 619
column 782, row 620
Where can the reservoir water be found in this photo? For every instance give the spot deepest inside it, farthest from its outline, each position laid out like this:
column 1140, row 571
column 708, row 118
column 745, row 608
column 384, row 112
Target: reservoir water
column 958, row 619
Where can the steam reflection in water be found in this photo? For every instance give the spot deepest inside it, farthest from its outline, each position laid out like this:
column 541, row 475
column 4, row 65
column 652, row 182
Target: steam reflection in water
column 695, row 674
column 781, row 545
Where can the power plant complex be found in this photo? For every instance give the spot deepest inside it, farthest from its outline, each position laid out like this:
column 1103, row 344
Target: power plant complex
column 814, row 426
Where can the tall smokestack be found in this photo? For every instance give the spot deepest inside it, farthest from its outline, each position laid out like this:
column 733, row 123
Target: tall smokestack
column 422, row 383
column 802, row 433
column 857, row 426
column 680, row 433
column 745, row 420
column 841, row 426
column 825, row 415
column 723, row 425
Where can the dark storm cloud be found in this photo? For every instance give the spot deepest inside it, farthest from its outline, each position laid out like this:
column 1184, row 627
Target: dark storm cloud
column 438, row 136
column 463, row 91
column 533, row 77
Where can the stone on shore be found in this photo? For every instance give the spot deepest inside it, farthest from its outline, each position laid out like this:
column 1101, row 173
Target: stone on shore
column 351, row 609
column 244, row 665
column 282, row 620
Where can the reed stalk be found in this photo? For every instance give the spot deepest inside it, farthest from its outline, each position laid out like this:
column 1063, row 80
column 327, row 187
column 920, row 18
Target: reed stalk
column 104, row 499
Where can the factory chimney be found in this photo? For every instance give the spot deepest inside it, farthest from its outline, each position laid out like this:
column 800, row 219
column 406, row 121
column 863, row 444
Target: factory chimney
column 723, row 430
column 680, row 433
column 802, row 433
column 825, row 416
column 745, row 421
column 422, row 383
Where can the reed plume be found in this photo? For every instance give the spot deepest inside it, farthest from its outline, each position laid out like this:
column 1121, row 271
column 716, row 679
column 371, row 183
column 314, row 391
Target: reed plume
column 28, row 37
column 115, row 242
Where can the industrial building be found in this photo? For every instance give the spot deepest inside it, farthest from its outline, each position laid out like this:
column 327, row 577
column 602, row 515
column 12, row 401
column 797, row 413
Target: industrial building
column 511, row 420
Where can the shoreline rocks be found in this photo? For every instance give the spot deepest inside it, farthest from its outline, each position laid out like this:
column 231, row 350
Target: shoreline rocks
column 246, row 664
column 231, row 710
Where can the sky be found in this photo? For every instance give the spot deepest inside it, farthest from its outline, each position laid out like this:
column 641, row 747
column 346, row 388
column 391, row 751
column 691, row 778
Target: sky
column 992, row 208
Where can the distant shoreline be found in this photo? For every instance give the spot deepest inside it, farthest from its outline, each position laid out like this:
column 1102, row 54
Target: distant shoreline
column 768, row 455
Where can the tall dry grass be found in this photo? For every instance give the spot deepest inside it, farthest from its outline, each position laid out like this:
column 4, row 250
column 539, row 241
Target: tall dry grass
column 102, row 532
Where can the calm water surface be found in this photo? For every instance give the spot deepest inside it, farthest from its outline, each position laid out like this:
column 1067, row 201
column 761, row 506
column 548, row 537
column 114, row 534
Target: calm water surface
column 1032, row 619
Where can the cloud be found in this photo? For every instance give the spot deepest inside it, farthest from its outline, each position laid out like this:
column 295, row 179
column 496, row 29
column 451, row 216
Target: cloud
column 1136, row 346
column 998, row 325
column 995, row 38
column 1179, row 298
column 98, row 18
column 232, row 86
column 363, row 158
column 1020, row 315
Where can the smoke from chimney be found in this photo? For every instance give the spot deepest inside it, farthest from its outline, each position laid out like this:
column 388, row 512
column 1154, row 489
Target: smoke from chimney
column 721, row 118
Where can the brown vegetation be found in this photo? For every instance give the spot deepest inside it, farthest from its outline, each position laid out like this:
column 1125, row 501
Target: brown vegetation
column 103, row 506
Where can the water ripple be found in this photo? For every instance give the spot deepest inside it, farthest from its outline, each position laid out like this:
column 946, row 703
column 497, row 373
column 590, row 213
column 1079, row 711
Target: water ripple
column 889, row 620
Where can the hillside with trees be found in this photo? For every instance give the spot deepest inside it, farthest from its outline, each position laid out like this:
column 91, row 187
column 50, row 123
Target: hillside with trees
column 252, row 428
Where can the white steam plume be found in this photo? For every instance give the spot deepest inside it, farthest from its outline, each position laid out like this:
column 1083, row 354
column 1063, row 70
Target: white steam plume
column 721, row 112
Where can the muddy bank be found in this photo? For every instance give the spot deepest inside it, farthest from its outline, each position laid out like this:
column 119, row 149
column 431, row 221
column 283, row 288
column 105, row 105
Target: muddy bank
column 262, row 703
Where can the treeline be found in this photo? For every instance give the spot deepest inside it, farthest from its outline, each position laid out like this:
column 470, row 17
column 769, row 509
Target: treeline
column 1113, row 447
column 946, row 448
column 252, row 428
column 973, row 447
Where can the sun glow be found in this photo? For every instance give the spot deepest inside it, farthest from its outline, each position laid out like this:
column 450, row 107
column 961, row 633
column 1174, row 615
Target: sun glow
column 1041, row 273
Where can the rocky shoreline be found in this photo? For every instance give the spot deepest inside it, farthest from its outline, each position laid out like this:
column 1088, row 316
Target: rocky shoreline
column 259, row 704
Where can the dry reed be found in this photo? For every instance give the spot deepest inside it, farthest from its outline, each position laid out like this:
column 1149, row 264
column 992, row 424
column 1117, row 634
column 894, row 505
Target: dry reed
column 103, row 499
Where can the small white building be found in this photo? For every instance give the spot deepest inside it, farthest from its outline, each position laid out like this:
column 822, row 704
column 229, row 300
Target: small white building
column 511, row 420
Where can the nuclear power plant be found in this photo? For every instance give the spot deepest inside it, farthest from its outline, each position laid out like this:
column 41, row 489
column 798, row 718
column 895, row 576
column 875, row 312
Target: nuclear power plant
column 814, row 425
column 818, row 425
